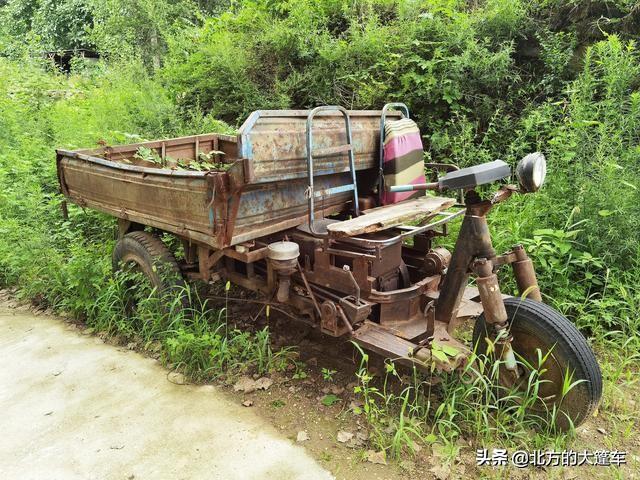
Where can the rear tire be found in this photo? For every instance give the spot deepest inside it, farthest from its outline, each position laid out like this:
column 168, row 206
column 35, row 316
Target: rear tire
column 143, row 252
column 535, row 325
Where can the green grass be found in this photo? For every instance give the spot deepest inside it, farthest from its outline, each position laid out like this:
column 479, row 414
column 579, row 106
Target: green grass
column 197, row 341
column 406, row 412
column 469, row 79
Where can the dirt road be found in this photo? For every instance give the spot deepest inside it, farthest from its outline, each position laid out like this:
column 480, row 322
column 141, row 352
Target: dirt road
column 72, row 407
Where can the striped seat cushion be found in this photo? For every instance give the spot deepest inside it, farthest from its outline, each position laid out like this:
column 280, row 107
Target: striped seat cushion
column 403, row 159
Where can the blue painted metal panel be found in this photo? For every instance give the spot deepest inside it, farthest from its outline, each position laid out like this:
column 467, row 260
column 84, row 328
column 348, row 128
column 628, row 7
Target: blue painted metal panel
column 274, row 143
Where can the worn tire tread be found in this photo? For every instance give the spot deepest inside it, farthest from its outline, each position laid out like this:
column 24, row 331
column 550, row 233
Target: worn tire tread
column 154, row 252
column 567, row 337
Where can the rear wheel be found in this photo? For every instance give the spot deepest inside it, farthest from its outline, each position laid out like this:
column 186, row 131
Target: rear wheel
column 538, row 329
column 144, row 253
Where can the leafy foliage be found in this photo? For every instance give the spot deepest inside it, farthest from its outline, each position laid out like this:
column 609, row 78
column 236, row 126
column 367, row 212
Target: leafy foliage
column 485, row 80
column 47, row 24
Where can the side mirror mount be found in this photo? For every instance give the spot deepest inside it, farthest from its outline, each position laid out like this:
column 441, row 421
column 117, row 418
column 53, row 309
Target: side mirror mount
column 531, row 172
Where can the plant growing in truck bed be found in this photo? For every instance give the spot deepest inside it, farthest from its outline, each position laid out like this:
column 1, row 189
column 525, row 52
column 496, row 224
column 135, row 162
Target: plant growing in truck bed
column 148, row 155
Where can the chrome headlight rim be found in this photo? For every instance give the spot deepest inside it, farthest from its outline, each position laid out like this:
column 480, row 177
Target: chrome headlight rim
column 531, row 172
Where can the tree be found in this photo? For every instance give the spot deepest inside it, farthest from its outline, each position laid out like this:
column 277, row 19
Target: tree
column 46, row 24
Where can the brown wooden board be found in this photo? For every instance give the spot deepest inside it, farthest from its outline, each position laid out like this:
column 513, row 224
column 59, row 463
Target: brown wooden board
column 389, row 216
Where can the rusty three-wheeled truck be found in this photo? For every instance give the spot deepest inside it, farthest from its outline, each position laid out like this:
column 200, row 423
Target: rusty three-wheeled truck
column 328, row 213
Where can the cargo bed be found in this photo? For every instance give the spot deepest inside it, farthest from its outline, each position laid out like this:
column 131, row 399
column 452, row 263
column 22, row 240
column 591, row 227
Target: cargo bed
column 257, row 186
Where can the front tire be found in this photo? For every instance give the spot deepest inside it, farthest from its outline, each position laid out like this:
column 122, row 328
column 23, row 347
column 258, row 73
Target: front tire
column 536, row 326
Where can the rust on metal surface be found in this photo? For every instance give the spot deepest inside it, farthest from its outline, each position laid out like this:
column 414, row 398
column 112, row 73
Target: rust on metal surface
column 374, row 338
column 489, row 290
column 249, row 256
column 275, row 143
column 357, row 277
column 525, row 274
column 474, row 241
column 261, row 193
column 437, row 260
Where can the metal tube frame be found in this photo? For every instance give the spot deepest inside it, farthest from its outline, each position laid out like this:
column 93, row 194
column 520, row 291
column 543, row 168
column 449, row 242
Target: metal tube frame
column 310, row 173
column 474, row 253
column 474, row 242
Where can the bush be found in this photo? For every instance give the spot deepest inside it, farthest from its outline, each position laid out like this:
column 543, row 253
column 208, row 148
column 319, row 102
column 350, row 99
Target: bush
column 485, row 80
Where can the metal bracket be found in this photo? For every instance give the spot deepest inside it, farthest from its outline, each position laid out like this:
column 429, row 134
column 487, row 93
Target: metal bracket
column 355, row 310
column 310, row 192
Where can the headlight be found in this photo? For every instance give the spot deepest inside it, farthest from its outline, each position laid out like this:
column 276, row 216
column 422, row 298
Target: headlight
column 531, row 172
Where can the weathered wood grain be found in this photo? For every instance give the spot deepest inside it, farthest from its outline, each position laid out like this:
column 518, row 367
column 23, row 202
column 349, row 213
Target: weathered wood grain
column 382, row 218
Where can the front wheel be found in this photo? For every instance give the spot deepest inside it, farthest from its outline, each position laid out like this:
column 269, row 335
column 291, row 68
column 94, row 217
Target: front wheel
column 538, row 330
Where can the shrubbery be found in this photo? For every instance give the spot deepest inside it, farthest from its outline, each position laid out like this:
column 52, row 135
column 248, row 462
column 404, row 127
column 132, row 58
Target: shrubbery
column 496, row 79
column 485, row 83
